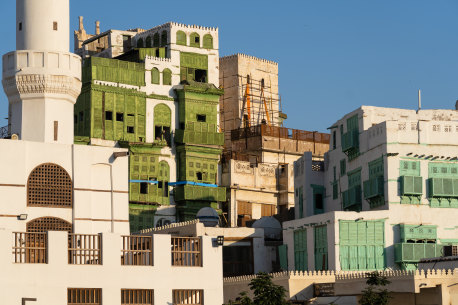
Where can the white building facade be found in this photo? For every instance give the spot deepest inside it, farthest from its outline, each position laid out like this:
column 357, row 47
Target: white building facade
column 388, row 195
column 64, row 205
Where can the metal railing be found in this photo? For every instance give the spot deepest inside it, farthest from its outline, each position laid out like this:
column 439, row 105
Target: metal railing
column 186, row 251
column 84, row 249
column 137, row 250
column 30, row 248
column 280, row 132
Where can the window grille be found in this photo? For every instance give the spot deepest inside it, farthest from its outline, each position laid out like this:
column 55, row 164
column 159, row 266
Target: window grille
column 80, row 296
column 84, row 249
column 49, row 185
column 30, row 248
column 137, row 250
column 195, row 297
column 44, row 224
column 137, row 297
column 186, row 251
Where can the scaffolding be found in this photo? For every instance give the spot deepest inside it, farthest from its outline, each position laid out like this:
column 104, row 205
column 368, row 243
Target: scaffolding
column 257, row 103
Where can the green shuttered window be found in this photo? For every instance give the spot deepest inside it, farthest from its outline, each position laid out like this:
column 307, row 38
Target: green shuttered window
column 321, row 248
column 300, row 250
column 361, row 245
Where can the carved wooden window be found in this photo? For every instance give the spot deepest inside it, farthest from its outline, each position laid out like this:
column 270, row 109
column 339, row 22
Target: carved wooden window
column 137, row 297
column 49, row 185
column 79, row 296
column 195, row 297
column 44, row 224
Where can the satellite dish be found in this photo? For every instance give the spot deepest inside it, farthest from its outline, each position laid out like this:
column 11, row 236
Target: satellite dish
column 208, row 216
column 271, row 226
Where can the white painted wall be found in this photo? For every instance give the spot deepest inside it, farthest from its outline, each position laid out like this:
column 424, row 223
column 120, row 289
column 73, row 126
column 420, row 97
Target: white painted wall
column 37, row 18
column 87, row 166
column 49, row 282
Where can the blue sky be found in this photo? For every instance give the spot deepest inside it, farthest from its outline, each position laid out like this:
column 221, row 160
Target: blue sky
column 333, row 55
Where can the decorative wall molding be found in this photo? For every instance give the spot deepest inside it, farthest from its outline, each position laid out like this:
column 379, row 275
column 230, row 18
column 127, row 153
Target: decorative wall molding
column 41, row 84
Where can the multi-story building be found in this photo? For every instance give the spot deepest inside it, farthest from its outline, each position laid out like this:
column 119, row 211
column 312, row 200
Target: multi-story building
column 259, row 151
column 156, row 93
column 64, row 223
column 388, row 195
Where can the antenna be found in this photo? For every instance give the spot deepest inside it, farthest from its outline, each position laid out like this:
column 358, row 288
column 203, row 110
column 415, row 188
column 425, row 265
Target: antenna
column 419, row 100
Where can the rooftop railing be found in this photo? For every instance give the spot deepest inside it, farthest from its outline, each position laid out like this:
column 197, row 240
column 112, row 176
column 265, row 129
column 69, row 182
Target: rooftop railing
column 280, row 132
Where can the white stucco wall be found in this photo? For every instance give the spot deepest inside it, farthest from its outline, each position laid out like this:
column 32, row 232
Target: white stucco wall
column 48, row 283
column 89, row 169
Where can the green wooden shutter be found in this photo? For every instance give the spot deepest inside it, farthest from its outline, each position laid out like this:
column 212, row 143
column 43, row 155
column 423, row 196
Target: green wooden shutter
column 300, row 250
column 164, row 38
column 321, row 248
column 166, row 77
column 208, row 41
column 156, row 40
column 283, row 256
column 155, row 76
column 181, row 38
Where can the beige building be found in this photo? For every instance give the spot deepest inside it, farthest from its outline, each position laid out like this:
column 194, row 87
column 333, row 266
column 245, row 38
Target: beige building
column 345, row 288
column 259, row 151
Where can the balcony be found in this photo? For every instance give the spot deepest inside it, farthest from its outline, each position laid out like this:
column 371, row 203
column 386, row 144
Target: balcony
column 352, row 198
column 195, row 192
column 413, row 252
column 411, row 185
column 374, row 188
column 443, row 187
column 350, row 141
column 199, row 137
column 417, row 232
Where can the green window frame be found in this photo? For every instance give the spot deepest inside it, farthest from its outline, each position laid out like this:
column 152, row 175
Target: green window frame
column 321, row 248
column 167, row 77
column 300, row 250
column 181, row 38
column 194, row 40
column 155, row 76
column 362, row 245
column 208, row 41
column 318, row 198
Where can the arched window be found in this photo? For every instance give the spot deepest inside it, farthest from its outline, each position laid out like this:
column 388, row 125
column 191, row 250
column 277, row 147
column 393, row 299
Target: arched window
column 181, row 38
column 163, row 179
column 156, row 40
column 49, row 185
column 148, row 42
column 208, row 41
column 162, row 123
column 140, row 43
column 44, row 224
column 163, row 38
column 166, row 77
column 155, row 76
column 194, row 40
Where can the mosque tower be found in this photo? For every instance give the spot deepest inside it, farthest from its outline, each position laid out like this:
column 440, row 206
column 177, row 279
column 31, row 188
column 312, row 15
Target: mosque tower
column 42, row 79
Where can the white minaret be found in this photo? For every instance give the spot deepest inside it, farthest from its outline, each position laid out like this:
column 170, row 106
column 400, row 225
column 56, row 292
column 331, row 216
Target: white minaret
column 41, row 78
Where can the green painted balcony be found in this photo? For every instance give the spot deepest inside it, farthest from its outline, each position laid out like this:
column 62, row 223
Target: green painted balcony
column 374, row 187
column 198, row 137
column 203, row 193
column 352, row 198
column 417, row 232
column 443, row 187
column 411, row 185
column 414, row 252
column 350, row 141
